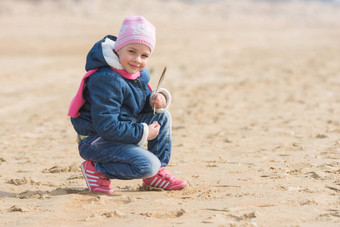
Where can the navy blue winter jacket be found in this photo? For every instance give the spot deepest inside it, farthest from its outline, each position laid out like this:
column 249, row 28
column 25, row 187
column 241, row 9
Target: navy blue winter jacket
column 112, row 101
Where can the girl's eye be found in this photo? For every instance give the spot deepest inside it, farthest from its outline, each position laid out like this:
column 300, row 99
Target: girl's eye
column 145, row 56
column 131, row 51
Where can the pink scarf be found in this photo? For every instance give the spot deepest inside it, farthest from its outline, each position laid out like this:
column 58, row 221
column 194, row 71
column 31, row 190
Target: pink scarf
column 78, row 100
column 125, row 74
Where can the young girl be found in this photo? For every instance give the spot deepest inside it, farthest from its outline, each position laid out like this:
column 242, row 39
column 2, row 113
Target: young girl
column 112, row 113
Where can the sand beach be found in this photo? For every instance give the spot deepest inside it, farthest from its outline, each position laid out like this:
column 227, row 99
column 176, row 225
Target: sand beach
column 256, row 113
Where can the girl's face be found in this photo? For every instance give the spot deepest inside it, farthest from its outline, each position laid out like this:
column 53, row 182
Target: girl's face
column 134, row 57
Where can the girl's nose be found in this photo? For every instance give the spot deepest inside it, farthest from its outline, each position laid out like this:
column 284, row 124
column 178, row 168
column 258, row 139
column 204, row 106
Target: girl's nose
column 136, row 58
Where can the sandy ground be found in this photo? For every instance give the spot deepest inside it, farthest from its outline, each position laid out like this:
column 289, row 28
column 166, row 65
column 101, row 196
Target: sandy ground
column 256, row 108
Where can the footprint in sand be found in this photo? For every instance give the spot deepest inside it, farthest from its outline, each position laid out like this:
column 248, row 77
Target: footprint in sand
column 168, row 214
column 22, row 181
column 44, row 194
column 57, row 169
column 32, row 194
column 14, row 208
column 125, row 200
column 114, row 214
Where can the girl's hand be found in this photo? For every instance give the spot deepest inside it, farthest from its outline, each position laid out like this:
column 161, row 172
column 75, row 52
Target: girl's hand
column 153, row 130
column 158, row 101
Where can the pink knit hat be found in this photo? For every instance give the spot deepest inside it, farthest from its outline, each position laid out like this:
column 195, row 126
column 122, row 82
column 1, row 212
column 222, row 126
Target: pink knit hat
column 136, row 29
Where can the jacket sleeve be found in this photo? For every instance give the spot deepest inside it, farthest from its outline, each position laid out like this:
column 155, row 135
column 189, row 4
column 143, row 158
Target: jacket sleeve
column 106, row 100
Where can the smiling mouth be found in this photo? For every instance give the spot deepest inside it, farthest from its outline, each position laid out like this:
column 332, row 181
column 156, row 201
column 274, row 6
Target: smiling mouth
column 134, row 66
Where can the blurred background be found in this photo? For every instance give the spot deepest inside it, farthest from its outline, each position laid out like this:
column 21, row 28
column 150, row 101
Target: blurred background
column 256, row 105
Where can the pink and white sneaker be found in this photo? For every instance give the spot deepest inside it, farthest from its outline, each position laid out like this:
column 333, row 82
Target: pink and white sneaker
column 165, row 180
column 96, row 182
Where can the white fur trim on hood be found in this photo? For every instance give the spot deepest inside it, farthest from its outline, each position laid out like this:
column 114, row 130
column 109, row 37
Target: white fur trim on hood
column 110, row 57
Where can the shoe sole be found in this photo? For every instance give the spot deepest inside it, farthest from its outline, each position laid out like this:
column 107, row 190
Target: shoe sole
column 178, row 187
column 155, row 184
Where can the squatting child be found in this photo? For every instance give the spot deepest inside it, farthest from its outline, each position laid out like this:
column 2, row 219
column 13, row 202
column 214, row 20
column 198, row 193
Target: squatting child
column 113, row 116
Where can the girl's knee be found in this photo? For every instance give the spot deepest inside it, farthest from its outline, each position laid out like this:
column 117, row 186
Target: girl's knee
column 152, row 168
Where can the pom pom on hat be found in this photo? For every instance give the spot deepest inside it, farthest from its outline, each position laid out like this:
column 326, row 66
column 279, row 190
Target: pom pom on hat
column 136, row 29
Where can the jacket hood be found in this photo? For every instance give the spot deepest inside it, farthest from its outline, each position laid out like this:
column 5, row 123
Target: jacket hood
column 102, row 54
